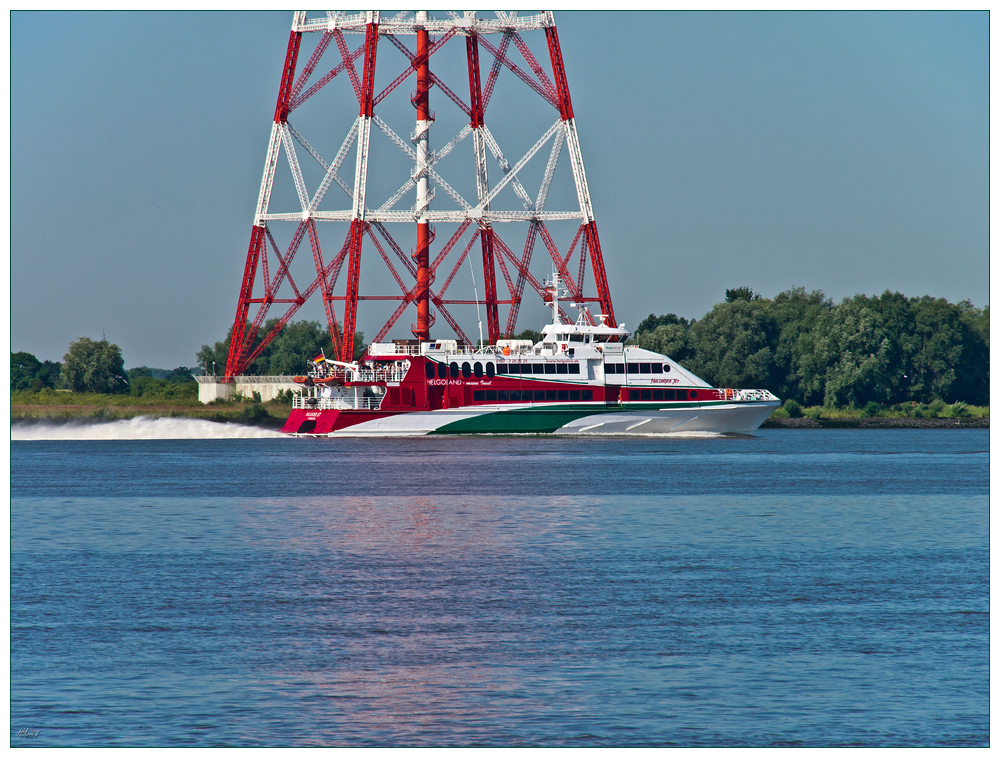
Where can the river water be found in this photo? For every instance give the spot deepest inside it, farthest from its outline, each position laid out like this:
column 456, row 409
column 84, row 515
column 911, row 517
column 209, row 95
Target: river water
column 181, row 583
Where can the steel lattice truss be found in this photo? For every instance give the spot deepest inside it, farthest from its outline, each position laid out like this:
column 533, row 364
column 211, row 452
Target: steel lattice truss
column 459, row 213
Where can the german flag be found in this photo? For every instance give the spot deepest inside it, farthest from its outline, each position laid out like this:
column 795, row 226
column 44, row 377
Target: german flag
column 319, row 358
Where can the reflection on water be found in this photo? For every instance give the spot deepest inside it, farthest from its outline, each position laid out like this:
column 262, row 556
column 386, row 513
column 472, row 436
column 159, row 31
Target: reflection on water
column 203, row 606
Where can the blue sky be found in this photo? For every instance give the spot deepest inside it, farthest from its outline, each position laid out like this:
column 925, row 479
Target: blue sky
column 846, row 152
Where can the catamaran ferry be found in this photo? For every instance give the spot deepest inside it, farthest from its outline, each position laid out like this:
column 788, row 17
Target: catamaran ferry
column 579, row 379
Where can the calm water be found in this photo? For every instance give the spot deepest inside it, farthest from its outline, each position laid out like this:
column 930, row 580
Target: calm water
column 810, row 588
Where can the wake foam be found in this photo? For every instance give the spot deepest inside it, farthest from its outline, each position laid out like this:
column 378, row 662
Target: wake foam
column 141, row 428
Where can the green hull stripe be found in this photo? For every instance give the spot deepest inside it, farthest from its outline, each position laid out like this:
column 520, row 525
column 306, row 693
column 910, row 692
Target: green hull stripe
column 520, row 421
column 547, row 419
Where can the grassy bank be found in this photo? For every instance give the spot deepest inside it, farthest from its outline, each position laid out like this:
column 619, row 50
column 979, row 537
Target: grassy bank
column 49, row 405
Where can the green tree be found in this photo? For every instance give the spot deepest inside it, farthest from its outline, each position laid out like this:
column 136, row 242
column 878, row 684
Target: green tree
column 851, row 354
column 795, row 312
column 91, row 366
column 741, row 293
column 24, row 368
column 295, row 346
column 672, row 340
column 734, row 345
column 651, row 322
column 28, row 373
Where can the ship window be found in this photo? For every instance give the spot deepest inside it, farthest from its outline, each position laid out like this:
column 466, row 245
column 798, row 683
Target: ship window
column 694, row 394
column 442, row 371
column 574, row 396
column 550, row 368
column 477, row 370
column 645, row 394
column 454, row 370
column 430, row 370
column 615, row 368
column 666, row 367
column 539, row 395
column 491, row 396
column 563, row 395
column 633, row 368
column 576, row 338
column 538, row 368
column 588, row 395
column 574, row 368
column 644, row 368
column 466, row 370
column 501, row 368
column 479, row 395
column 503, row 396
column 657, row 394
column 668, row 395
column 490, row 370
column 656, row 367
column 550, row 394
column 562, row 368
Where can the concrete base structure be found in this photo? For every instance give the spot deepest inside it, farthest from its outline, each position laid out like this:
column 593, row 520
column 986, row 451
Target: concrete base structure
column 214, row 388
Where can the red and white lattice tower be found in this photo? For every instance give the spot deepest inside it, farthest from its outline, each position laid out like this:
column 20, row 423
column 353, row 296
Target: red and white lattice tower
column 353, row 119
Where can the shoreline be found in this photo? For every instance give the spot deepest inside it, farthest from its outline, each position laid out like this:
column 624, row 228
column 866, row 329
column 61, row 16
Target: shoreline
column 877, row 423
column 266, row 418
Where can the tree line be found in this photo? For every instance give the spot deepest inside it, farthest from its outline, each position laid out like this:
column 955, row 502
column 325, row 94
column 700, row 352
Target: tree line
column 801, row 346
column 94, row 366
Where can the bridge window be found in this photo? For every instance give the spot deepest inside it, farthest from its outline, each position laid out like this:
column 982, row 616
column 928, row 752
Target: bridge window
column 576, row 338
column 477, row 370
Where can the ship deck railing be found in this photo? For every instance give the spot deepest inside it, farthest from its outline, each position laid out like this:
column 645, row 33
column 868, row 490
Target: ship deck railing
column 746, row 396
column 306, row 403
